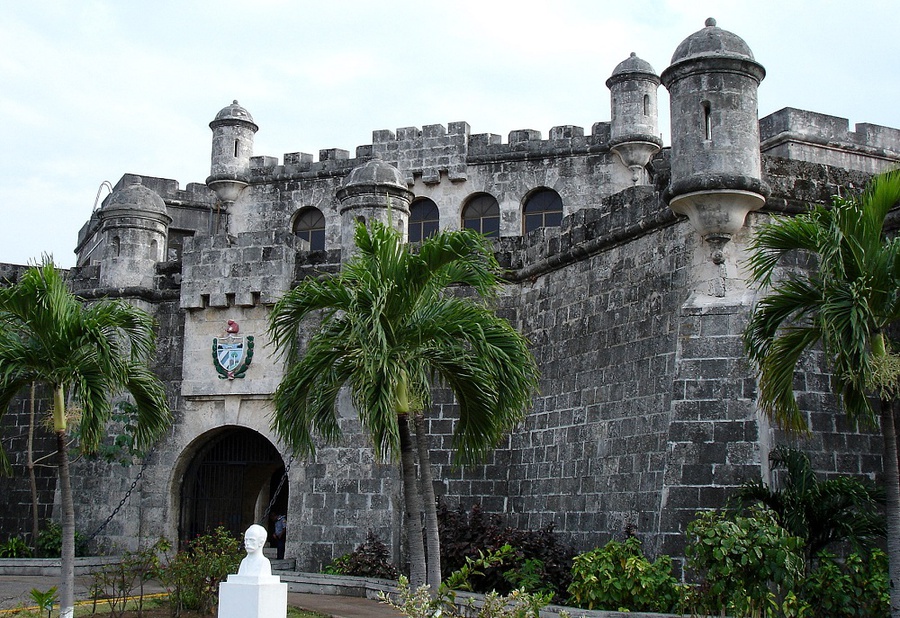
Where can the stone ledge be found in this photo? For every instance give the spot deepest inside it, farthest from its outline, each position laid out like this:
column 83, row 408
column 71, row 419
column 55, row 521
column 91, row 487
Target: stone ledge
column 51, row 566
column 343, row 585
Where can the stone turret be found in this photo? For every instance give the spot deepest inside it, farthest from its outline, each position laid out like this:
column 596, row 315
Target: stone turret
column 716, row 181
column 373, row 191
column 232, row 146
column 134, row 226
column 634, row 133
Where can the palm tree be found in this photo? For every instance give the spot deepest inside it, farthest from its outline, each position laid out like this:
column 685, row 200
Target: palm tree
column 90, row 352
column 821, row 512
column 393, row 325
column 845, row 301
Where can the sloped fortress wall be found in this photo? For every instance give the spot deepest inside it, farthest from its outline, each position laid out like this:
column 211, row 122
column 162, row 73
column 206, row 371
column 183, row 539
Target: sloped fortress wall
column 632, row 295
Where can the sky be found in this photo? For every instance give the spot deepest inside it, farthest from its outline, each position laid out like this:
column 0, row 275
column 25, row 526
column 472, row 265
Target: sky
column 92, row 89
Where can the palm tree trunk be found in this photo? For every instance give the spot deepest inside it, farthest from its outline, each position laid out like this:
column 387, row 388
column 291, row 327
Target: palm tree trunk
column 892, row 515
column 67, row 557
column 413, row 502
column 432, row 534
column 29, row 464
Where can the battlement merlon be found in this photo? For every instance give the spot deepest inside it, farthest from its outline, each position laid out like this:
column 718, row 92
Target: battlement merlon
column 436, row 150
column 799, row 134
column 195, row 193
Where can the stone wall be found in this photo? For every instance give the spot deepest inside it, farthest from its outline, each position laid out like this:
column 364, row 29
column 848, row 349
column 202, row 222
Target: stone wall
column 16, row 506
column 819, row 138
column 646, row 408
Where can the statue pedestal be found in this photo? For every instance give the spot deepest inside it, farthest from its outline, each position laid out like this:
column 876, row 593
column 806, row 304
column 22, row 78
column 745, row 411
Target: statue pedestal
column 252, row 596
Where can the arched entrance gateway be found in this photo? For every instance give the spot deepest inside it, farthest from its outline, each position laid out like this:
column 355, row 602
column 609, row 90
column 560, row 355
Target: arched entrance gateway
column 230, row 480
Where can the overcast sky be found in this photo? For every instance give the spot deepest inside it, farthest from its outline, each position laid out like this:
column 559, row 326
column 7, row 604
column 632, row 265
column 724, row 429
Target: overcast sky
column 91, row 90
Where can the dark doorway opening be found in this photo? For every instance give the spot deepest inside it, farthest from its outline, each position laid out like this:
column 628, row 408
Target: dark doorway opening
column 230, row 482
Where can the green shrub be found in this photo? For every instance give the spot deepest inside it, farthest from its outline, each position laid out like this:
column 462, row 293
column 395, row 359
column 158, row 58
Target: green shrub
column 116, row 583
column 422, row 603
column 466, row 534
column 369, row 559
column 15, row 547
column 530, row 576
column 49, row 542
column 855, row 587
column 618, row 576
column 822, row 512
column 45, row 599
column 750, row 564
column 464, row 577
column 192, row 577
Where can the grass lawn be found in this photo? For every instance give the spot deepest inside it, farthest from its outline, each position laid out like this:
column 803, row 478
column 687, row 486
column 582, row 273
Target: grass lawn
column 155, row 607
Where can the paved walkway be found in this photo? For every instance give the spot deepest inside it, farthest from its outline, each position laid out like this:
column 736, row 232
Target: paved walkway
column 14, row 592
column 342, row 607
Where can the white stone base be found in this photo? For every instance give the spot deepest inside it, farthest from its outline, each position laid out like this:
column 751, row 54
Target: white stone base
column 244, row 596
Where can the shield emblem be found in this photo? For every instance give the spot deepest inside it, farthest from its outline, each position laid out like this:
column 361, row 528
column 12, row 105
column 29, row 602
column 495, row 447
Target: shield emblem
column 232, row 356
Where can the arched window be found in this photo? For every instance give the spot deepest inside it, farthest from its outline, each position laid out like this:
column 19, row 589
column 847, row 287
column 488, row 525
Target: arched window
column 310, row 226
column 424, row 219
column 543, row 208
column 482, row 214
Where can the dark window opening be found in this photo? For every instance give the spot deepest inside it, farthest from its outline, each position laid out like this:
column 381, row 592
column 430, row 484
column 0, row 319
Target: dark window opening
column 707, row 119
column 176, row 243
column 482, row 214
column 543, row 208
column 310, row 226
column 424, row 219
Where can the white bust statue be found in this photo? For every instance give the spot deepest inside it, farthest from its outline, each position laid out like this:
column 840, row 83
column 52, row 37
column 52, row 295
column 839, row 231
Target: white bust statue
column 255, row 564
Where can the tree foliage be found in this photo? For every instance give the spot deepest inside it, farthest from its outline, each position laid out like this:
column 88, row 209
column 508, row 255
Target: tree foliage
column 86, row 354
column 845, row 303
column 394, row 324
column 821, row 512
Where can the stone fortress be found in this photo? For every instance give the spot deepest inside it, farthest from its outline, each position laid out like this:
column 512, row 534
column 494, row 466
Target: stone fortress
column 624, row 268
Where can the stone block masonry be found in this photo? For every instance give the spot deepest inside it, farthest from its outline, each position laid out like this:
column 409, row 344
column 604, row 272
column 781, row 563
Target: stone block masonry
column 647, row 407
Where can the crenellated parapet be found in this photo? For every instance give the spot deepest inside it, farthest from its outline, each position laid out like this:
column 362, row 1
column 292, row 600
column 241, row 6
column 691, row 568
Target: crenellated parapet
column 435, row 152
column 819, row 138
column 250, row 269
column 430, row 152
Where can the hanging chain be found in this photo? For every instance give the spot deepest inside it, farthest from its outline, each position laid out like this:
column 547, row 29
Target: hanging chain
column 122, row 502
column 287, row 469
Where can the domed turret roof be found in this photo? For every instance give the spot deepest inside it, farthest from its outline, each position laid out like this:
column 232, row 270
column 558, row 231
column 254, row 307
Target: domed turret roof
column 134, row 196
column 633, row 64
column 712, row 41
column 234, row 112
column 374, row 172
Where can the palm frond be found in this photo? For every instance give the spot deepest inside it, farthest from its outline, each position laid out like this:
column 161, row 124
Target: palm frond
column 776, row 239
column 821, row 512
column 849, row 296
column 99, row 350
column 391, row 325
column 153, row 414
column 776, row 379
column 794, row 301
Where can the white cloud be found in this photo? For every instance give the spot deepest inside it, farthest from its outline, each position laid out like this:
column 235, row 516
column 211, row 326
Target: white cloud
column 93, row 89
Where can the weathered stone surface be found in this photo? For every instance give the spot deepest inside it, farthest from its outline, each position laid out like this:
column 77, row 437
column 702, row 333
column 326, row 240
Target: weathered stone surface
column 647, row 407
